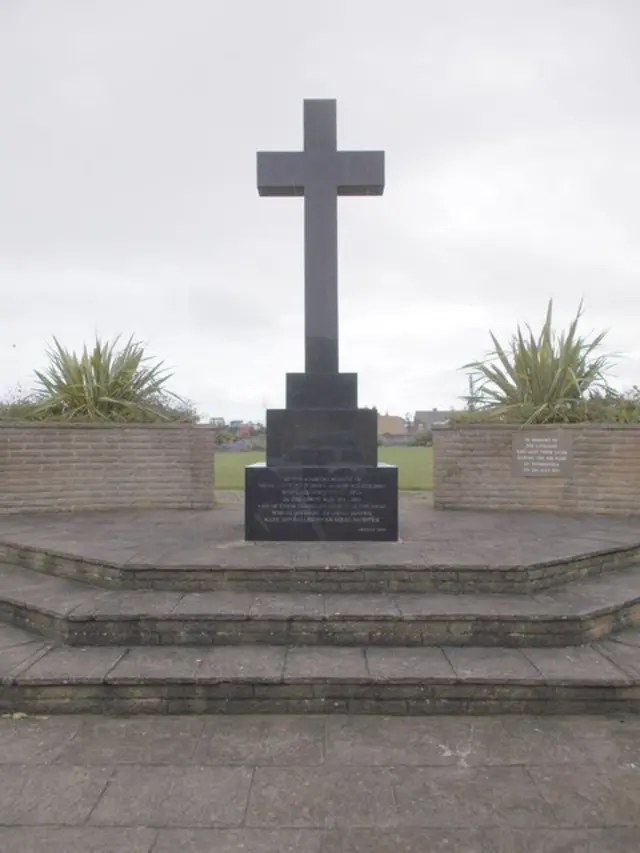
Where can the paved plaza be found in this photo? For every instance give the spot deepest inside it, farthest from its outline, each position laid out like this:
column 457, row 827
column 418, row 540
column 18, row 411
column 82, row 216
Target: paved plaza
column 307, row 783
column 182, row 539
column 272, row 784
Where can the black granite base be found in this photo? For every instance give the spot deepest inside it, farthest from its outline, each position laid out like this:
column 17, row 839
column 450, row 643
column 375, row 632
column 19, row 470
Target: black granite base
column 306, row 504
column 322, row 391
column 315, row 437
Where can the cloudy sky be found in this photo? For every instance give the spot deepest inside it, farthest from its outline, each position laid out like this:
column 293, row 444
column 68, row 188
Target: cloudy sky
column 128, row 205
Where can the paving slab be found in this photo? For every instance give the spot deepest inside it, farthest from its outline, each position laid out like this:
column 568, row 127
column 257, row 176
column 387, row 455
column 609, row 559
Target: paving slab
column 398, row 664
column 476, row 741
column 259, row 741
column 423, row 840
column 449, row 797
column 482, row 664
column 50, row 794
column 613, row 840
column 101, row 742
column 585, row 664
column 624, row 655
column 30, row 740
column 320, row 784
column 62, row 665
column 318, row 664
column 77, row 839
column 12, row 636
column 79, row 614
column 322, row 798
column 152, row 664
column 317, row 679
column 584, row 795
column 15, row 659
column 180, row 539
column 238, row 841
column 629, row 638
column 190, row 796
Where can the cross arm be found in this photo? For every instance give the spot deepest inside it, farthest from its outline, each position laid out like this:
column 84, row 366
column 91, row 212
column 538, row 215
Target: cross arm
column 360, row 172
column 280, row 173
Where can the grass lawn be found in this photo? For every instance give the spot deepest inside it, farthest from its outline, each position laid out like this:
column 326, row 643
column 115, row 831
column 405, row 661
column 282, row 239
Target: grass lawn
column 415, row 465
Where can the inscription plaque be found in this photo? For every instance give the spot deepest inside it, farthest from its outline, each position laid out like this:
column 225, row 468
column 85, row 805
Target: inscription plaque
column 539, row 453
column 321, row 503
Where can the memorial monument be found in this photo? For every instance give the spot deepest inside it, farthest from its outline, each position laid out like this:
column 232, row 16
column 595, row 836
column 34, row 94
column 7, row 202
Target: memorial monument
column 322, row 479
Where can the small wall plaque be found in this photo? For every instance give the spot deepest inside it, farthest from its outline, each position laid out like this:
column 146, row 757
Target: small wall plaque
column 541, row 453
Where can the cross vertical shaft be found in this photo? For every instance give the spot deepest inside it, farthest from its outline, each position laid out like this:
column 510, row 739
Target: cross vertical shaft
column 321, row 173
column 321, row 238
column 321, row 281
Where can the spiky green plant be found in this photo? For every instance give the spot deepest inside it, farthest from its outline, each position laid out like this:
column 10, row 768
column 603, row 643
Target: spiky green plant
column 105, row 384
column 544, row 378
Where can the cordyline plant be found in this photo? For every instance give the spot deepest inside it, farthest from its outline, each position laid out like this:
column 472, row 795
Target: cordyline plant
column 105, row 384
column 546, row 378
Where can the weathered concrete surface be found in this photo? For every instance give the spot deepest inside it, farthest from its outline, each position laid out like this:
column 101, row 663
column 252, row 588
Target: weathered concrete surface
column 79, row 614
column 447, row 551
column 320, row 785
column 35, row 677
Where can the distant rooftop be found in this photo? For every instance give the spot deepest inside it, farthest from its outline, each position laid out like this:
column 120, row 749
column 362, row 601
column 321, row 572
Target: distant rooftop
column 432, row 416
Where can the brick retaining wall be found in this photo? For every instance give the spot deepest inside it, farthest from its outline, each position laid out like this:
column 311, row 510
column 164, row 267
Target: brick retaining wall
column 63, row 467
column 474, row 469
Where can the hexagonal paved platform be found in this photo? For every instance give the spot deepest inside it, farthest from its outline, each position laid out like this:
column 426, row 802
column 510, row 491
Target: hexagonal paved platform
column 443, row 551
column 173, row 612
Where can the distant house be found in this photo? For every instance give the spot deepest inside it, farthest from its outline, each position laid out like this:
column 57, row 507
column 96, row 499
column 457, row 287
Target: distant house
column 426, row 419
column 392, row 425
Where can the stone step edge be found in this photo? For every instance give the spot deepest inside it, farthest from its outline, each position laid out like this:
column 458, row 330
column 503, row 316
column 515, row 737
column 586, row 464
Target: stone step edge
column 103, row 625
column 412, row 577
column 78, row 601
column 491, row 699
column 394, row 632
column 611, row 690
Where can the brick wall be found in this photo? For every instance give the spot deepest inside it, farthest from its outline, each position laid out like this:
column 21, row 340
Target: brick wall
column 59, row 467
column 473, row 469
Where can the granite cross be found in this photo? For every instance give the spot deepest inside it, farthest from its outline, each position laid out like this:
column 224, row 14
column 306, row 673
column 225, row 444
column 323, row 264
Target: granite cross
column 320, row 173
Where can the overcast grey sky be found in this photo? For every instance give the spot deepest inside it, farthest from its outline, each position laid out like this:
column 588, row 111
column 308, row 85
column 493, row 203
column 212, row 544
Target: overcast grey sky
column 128, row 132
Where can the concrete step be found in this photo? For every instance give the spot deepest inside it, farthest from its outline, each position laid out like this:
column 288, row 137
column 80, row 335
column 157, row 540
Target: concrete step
column 78, row 614
column 478, row 566
column 39, row 678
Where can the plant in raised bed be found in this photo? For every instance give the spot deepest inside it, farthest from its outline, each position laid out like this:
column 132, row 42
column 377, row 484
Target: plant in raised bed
column 104, row 384
column 549, row 377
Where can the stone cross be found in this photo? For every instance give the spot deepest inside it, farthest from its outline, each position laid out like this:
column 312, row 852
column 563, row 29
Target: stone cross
column 320, row 173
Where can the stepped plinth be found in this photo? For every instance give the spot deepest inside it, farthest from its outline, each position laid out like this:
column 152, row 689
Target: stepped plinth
column 175, row 612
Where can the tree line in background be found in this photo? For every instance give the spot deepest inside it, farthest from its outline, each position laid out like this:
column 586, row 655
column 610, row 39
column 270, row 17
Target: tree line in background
column 551, row 377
